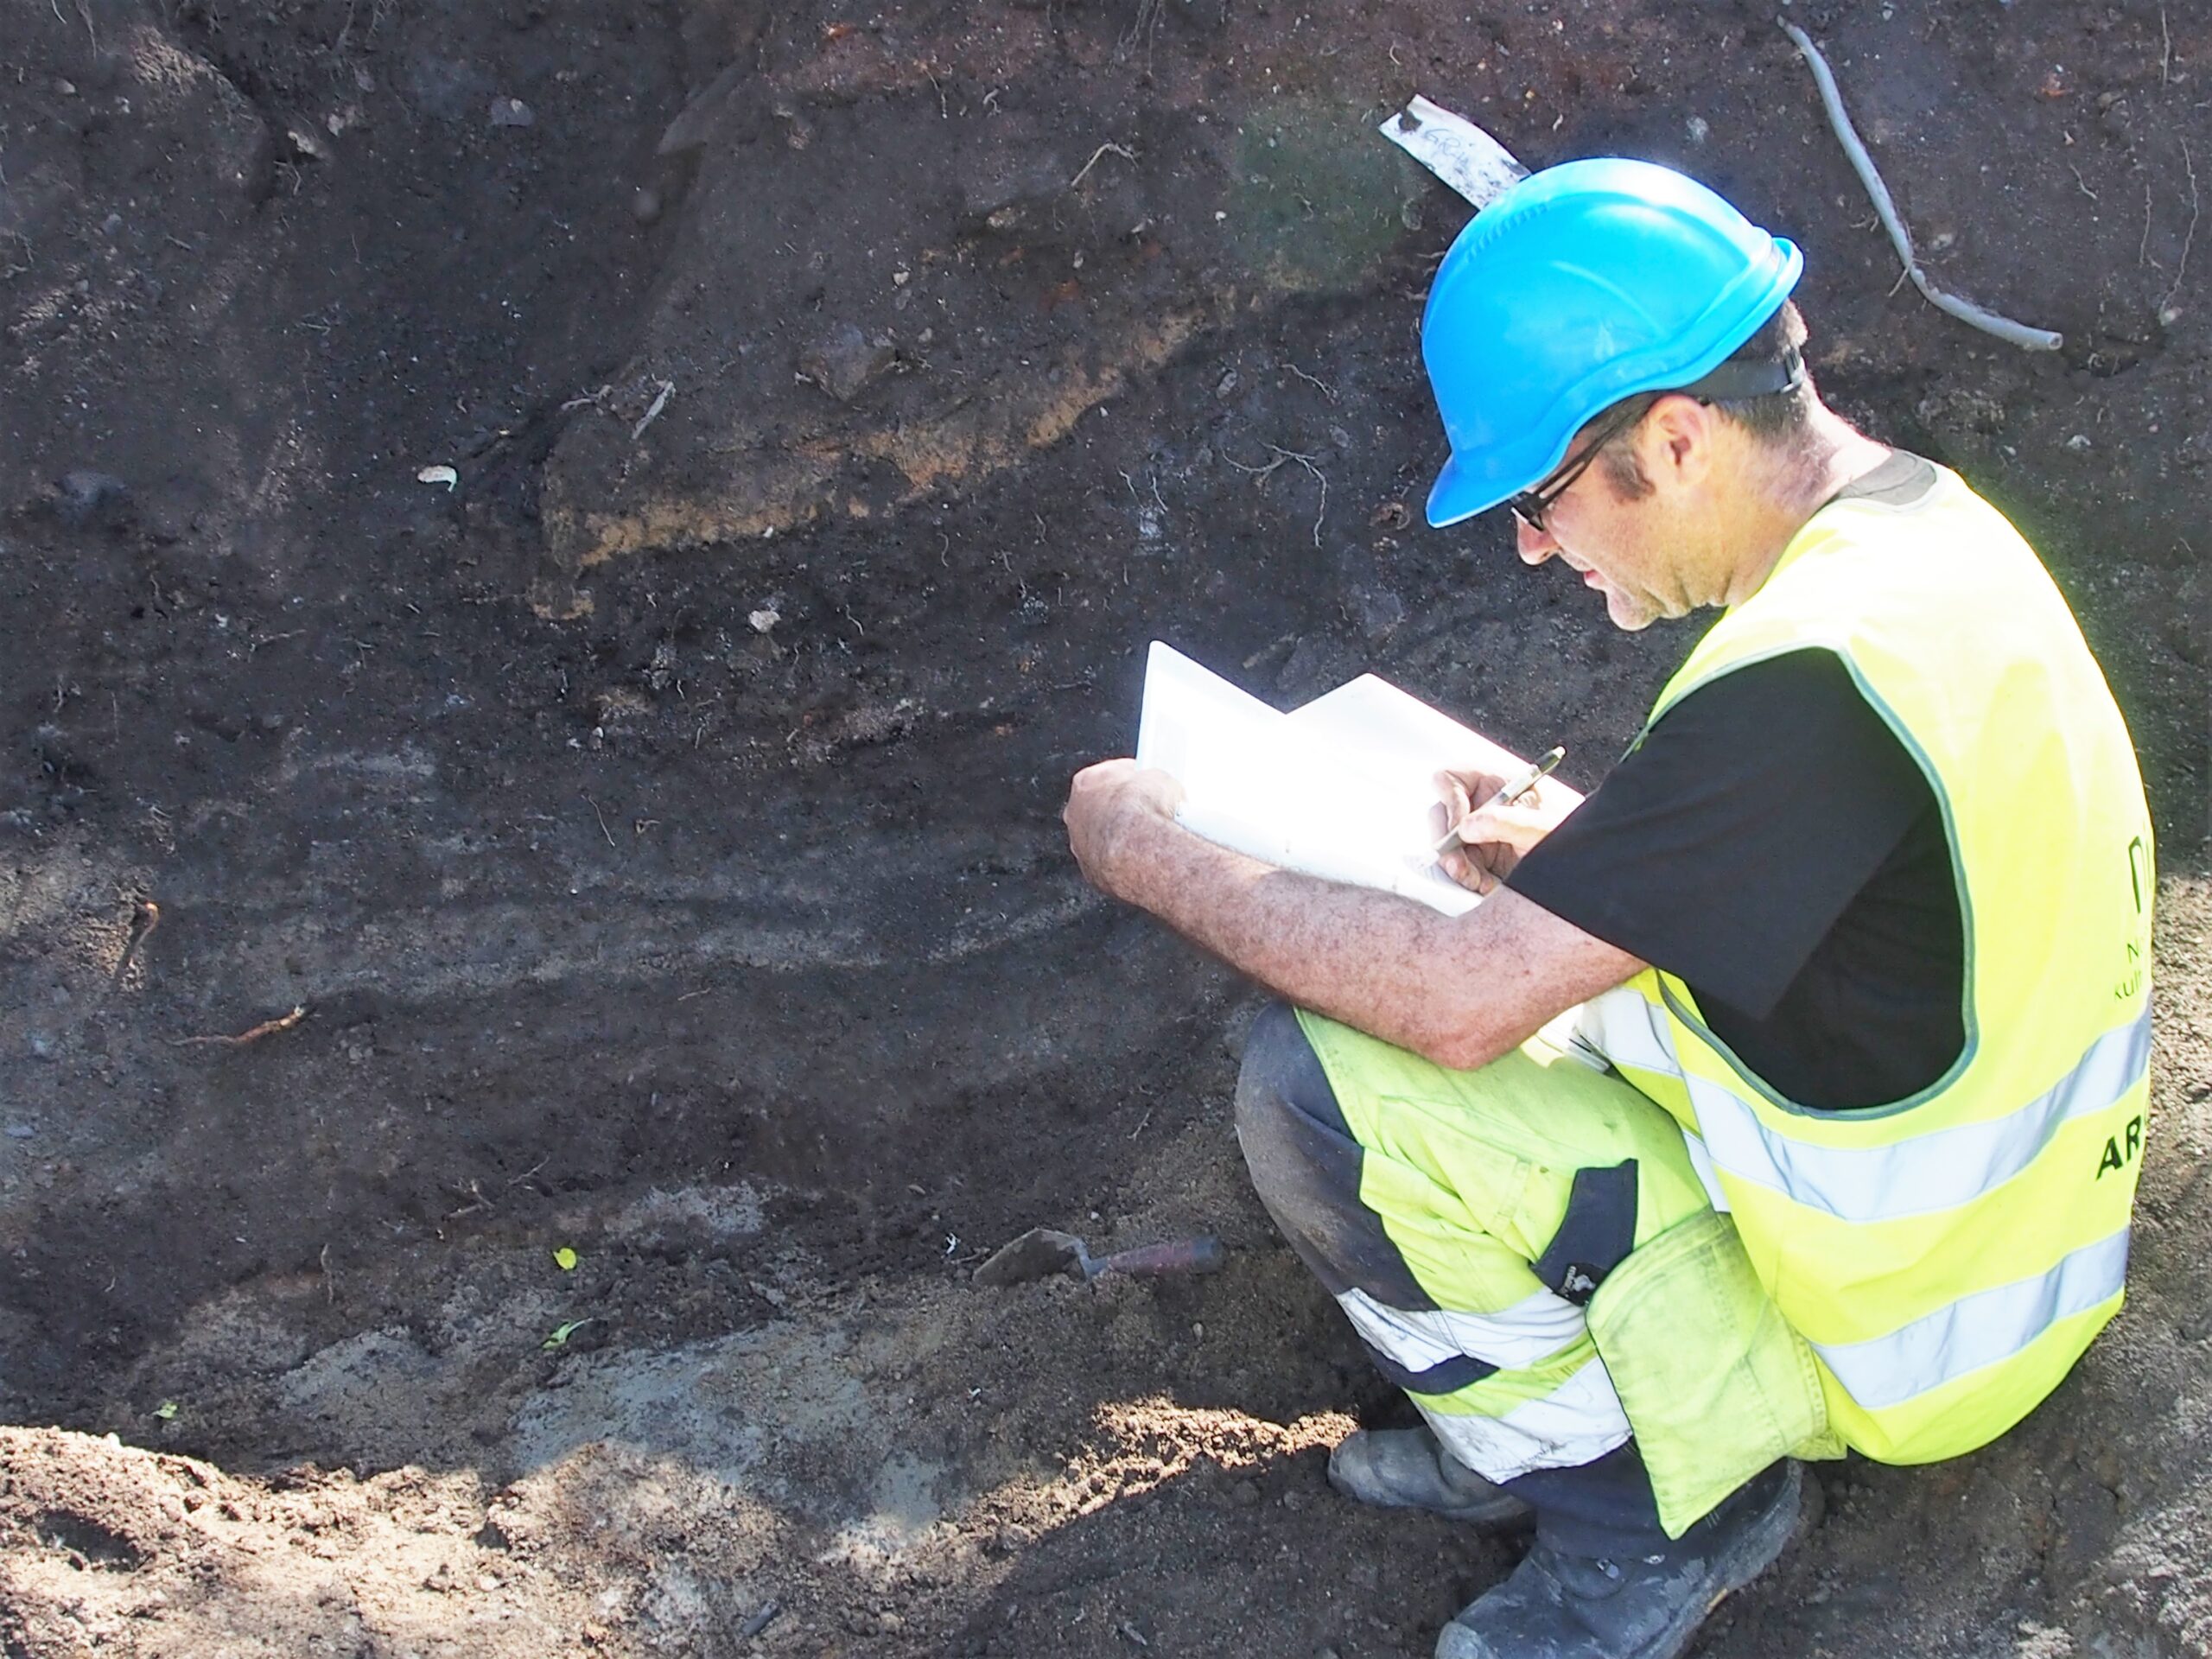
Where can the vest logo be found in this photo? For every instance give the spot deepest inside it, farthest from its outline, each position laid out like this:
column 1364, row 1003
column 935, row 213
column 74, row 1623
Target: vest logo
column 2131, row 979
column 2122, row 1149
column 2130, row 982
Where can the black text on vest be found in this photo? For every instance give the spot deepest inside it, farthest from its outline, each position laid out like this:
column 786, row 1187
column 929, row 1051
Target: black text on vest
column 2120, row 1149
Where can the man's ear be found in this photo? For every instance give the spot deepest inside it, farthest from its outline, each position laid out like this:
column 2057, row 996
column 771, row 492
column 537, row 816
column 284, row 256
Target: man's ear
column 1676, row 440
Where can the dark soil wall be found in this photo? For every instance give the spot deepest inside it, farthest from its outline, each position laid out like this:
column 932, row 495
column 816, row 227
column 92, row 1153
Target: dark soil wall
column 836, row 405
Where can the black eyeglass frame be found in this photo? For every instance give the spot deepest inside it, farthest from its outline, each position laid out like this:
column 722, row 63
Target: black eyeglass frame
column 1731, row 381
column 1530, row 506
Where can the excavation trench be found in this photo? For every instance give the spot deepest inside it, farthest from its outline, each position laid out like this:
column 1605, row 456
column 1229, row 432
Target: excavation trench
column 658, row 819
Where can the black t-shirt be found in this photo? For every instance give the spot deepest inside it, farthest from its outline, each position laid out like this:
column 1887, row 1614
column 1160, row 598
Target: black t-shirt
column 1773, row 845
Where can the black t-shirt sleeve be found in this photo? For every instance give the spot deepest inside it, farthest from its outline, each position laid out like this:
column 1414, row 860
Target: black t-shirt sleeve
column 1724, row 847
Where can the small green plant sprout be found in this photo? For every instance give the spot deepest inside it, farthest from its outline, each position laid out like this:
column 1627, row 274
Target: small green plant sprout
column 562, row 1332
column 566, row 1259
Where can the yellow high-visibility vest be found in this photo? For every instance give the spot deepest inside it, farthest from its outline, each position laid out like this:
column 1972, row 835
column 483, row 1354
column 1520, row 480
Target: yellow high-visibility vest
column 1950, row 1256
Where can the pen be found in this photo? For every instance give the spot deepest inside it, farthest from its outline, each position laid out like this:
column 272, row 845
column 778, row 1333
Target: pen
column 1514, row 790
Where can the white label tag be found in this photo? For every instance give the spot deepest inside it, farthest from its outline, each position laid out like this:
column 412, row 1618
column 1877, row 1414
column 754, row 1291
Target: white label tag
column 1455, row 149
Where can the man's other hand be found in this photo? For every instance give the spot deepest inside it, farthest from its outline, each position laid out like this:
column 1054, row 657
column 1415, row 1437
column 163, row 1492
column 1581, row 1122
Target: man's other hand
column 1108, row 807
column 1495, row 838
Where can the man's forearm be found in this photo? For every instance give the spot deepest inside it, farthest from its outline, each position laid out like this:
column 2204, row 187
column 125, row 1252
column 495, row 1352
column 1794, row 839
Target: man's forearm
column 1460, row 991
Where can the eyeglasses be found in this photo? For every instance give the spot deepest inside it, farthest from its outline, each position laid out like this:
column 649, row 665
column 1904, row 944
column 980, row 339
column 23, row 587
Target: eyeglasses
column 1530, row 506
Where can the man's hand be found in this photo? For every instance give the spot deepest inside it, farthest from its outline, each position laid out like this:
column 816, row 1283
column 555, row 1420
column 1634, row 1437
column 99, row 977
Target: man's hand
column 1494, row 838
column 1110, row 807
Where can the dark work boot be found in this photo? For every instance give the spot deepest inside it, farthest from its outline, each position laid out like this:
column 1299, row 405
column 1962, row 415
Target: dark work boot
column 1407, row 1469
column 1558, row 1607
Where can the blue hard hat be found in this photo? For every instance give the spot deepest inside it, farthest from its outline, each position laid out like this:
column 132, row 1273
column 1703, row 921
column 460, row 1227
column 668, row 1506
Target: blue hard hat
column 1581, row 285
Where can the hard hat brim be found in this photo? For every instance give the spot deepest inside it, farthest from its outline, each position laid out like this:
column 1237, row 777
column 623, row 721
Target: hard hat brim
column 1456, row 496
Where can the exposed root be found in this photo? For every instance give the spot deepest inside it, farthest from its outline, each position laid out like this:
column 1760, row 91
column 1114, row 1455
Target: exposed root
column 1260, row 474
column 1122, row 150
column 253, row 1034
column 144, row 920
column 2188, row 240
column 2018, row 333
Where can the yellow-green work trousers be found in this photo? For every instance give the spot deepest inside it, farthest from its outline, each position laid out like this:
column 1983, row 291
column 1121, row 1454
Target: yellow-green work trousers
column 1466, row 1222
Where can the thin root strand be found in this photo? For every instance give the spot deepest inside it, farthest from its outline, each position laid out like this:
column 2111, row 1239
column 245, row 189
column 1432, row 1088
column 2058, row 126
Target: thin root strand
column 253, row 1034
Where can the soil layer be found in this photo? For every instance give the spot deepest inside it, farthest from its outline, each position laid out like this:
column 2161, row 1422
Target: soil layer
column 576, row 547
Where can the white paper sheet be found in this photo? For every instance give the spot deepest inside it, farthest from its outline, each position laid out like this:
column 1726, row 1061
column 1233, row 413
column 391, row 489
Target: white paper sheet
column 1340, row 789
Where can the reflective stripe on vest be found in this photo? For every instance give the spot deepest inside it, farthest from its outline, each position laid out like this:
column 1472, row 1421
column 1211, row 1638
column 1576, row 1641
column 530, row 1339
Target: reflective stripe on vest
column 1938, row 1171
column 1894, row 1240
column 1978, row 1330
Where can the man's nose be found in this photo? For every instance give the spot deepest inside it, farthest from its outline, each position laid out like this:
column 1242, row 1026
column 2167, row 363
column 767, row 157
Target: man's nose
column 1534, row 545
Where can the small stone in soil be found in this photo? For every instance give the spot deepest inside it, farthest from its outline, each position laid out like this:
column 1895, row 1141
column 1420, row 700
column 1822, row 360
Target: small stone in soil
column 759, row 1622
column 1380, row 611
column 85, row 491
column 844, row 360
column 512, row 112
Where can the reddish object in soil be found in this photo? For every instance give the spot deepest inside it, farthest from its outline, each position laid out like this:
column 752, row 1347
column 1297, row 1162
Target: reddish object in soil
column 1043, row 1251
